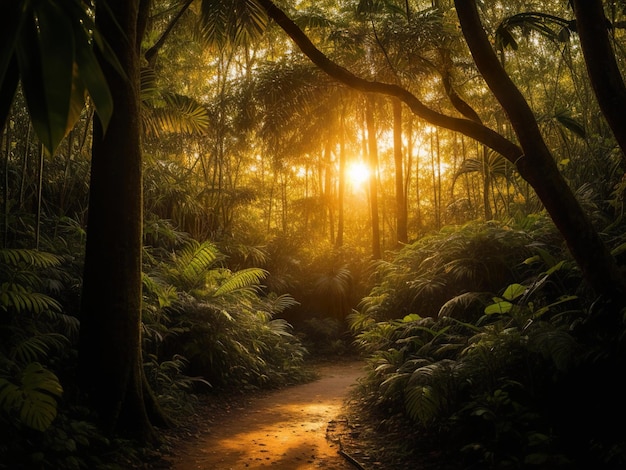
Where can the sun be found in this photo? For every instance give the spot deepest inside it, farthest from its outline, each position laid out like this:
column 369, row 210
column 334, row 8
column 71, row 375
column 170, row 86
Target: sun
column 358, row 173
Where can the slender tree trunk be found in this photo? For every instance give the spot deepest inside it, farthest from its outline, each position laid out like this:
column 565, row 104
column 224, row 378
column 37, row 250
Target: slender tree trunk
column 328, row 190
column 5, row 193
column 39, row 195
column 401, row 211
column 486, row 181
column 110, row 364
column 341, row 189
column 373, row 179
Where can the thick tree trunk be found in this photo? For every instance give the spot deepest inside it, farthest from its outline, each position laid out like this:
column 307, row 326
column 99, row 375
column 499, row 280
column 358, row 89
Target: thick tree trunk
column 604, row 72
column 537, row 166
column 110, row 368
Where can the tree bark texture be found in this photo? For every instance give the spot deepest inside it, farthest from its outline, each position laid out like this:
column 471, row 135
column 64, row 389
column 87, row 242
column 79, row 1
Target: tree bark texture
column 606, row 79
column 537, row 166
column 110, row 367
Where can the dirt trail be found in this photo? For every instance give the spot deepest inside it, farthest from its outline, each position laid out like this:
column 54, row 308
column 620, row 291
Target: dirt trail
column 284, row 430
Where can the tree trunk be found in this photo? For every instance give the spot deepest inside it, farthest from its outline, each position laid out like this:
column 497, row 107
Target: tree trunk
column 328, row 190
column 486, row 183
column 341, row 190
column 401, row 211
column 604, row 72
column 373, row 177
column 537, row 166
column 533, row 161
column 110, row 365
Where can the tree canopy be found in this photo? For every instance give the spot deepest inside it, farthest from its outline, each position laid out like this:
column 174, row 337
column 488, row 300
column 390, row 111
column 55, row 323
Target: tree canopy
column 316, row 152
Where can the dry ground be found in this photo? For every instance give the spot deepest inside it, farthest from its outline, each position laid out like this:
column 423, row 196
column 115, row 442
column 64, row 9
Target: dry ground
column 303, row 427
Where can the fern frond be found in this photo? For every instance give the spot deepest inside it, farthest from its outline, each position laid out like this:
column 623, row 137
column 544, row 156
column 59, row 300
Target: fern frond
column 193, row 261
column 240, row 280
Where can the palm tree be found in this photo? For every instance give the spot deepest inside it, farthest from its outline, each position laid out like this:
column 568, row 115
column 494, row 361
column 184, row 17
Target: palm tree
column 532, row 159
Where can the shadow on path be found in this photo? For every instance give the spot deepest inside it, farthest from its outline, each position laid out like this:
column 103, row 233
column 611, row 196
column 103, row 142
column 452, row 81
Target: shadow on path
column 284, row 430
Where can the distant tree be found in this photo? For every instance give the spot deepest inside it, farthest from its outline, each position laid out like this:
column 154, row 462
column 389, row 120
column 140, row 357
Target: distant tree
column 531, row 157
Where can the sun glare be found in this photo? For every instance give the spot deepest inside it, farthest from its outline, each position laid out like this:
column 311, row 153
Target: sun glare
column 358, row 173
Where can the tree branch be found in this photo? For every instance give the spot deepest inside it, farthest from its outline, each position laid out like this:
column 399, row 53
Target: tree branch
column 475, row 130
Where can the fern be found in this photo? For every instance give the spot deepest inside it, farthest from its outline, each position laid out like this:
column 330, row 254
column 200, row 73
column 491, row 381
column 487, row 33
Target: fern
column 241, row 280
column 192, row 263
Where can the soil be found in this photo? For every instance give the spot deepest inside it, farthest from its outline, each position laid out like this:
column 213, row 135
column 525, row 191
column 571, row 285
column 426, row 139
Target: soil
column 295, row 428
column 317, row 425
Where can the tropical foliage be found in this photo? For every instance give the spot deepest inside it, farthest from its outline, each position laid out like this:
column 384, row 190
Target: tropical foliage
column 262, row 243
column 491, row 376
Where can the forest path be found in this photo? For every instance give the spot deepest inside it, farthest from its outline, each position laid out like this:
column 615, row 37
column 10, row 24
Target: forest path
column 284, row 429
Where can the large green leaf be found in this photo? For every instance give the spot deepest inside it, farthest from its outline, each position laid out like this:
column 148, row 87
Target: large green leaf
column 34, row 398
column 50, row 45
column 90, row 75
column 46, row 66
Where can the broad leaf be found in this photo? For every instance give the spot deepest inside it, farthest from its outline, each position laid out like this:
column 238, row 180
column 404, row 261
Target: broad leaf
column 513, row 291
column 501, row 306
column 34, row 398
column 51, row 41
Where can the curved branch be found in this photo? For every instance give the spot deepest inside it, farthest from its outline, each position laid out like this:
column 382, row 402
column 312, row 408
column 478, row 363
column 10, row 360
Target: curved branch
column 151, row 53
column 475, row 130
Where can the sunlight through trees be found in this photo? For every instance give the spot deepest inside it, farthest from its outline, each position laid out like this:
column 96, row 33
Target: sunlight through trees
column 224, row 183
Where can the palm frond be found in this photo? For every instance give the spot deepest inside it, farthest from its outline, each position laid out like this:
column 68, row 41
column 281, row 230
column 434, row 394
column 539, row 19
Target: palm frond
column 179, row 115
column 15, row 297
column 552, row 27
column 17, row 256
column 232, row 22
column 557, row 345
column 312, row 19
column 280, row 327
column 281, row 303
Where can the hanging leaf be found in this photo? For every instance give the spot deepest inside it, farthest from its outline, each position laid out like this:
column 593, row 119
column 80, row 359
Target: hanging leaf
column 571, row 124
column 92, row 78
